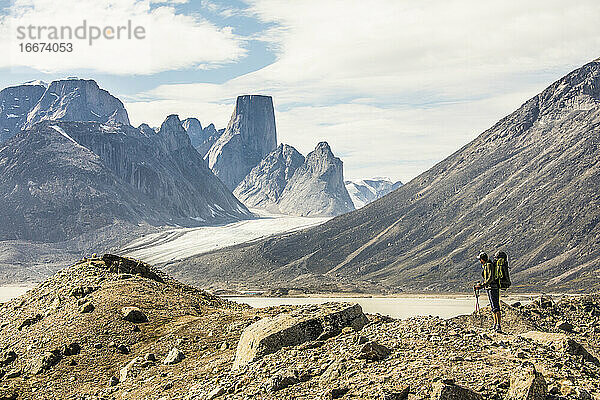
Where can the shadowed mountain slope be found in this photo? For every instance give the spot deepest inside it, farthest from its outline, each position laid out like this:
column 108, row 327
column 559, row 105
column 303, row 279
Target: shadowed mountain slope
column 529, row 185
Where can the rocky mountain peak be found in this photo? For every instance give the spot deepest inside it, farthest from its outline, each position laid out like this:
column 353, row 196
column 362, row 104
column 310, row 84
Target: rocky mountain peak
column 250, row 135
column 263, row 186
column 77, row 100
column 317, row 187
column 191, row 124
column 173, row 133
column 202, row 138
column 15, row 103
column 322, row 160
column 146, row 130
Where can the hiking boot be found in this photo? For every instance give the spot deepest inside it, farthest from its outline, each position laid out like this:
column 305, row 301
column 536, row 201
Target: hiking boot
column 497, row 329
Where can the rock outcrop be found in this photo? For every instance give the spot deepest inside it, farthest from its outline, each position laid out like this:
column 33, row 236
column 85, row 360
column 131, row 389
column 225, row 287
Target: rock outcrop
column 202, row 138
column 304, row 324
column 317, row 187
column 365, row 191
column 265, row 183
column 248, row 138
column 15, row 104
column 77, row 100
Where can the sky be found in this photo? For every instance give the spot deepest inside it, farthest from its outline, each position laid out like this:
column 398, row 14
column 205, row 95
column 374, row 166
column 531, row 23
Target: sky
column 394, row 86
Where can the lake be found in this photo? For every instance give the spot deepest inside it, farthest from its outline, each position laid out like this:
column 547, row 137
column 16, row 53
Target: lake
column 396, row 307
column 10, row 292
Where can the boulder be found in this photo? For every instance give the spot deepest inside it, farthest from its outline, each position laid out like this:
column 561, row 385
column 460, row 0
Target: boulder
column 46, row 361
column 401, row 394
column 71, row 349
column 447, row 390
column 560, row 342
column 374, row 351
column 82, row 291
column 128, row 370
column 564, row 326
column 308, row 323
column 87, row 308
column 123, row 349
column 282, row 380
column 7, row 357
column 336, row 393
column 8, row 394
column 134, row 314
column 174, row 356
column 546, row 302
column 27, row 322
column 216, row 392
column 527, row 384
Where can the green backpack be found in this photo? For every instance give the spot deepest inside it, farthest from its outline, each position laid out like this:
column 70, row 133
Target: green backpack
column 501, row 270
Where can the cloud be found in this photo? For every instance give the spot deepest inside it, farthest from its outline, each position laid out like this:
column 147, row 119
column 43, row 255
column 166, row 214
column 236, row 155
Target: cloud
column 172, row 40
column 395, row 85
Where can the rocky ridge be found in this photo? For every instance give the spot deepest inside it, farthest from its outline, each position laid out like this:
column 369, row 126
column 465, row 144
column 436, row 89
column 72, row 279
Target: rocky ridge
column 116, row 173
column 317, row 186
column 265, row 183
column 111, row 327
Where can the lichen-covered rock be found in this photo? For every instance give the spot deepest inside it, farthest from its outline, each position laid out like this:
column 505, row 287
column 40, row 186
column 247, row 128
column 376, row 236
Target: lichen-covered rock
column 305, row 324
column 46, row 361
column 7, row 357
column 560, row 342
column 175, row 356
column 527, row 384
column 87, row 307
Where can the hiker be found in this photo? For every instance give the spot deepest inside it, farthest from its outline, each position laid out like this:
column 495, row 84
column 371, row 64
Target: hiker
column 492, row 285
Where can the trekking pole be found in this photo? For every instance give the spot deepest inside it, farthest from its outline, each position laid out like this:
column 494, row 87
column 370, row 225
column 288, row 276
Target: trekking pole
column 476, row 299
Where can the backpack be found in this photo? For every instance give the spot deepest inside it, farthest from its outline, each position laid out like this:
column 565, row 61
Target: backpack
column 501, row 270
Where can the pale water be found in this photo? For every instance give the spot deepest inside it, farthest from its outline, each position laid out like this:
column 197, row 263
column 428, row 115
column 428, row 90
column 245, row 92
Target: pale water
column 396, row 307
column 10, row 292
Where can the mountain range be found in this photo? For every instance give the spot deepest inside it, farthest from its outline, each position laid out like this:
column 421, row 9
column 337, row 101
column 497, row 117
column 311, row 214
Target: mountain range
column 529, row 185
column 75, row 171
column 365, row 191
column 75, row 175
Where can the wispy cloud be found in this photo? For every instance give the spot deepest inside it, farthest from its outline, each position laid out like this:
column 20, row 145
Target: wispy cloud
column 172, row 40
column 397, row 85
